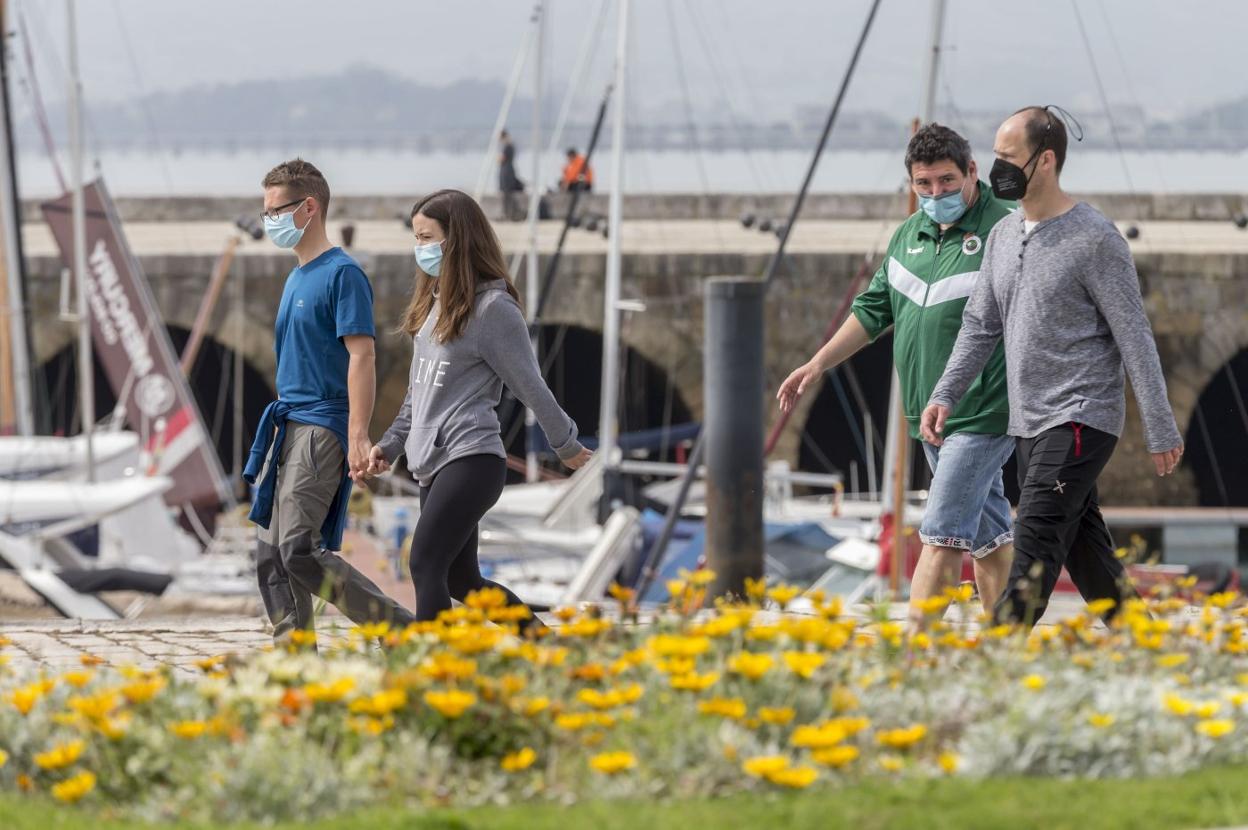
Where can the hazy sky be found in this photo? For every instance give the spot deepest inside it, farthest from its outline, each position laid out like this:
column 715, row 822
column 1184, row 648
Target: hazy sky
column 768, row 56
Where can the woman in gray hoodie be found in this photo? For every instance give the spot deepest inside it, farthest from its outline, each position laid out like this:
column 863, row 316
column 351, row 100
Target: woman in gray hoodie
column 469, row 338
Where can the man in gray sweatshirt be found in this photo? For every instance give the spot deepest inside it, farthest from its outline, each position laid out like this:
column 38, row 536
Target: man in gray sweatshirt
column 1058, row 283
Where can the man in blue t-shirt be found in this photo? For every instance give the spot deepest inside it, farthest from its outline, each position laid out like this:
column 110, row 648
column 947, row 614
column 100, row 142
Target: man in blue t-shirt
column 313, row 440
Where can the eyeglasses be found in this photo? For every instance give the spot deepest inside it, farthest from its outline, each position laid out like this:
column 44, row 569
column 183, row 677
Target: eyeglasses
column 273, row 213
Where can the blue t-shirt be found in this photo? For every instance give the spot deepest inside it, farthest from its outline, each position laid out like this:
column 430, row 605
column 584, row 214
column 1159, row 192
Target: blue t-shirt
column 324, row 301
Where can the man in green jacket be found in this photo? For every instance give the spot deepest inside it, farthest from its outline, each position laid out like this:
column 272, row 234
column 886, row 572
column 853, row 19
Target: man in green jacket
column 920, row 290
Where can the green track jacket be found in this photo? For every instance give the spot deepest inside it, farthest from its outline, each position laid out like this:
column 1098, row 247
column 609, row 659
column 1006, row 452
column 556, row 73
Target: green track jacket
column 920, row 289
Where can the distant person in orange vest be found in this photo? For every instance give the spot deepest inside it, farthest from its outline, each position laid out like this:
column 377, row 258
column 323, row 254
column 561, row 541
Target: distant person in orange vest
column 577, row 174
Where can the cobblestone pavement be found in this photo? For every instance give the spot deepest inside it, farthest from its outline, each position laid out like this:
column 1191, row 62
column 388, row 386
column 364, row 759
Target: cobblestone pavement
column 180, row 642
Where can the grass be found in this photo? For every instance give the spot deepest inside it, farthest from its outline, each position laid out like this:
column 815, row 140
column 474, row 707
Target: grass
column 1208, row 798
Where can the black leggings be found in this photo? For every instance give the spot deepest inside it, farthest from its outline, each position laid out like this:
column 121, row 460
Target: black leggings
column 444, row 544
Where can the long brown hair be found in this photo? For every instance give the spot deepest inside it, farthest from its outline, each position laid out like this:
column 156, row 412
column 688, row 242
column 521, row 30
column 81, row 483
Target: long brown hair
column 470, row 254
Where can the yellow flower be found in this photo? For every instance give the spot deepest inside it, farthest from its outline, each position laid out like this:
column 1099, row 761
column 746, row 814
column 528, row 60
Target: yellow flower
column 961, row 593
column 621, row 594
column 78, row 679
column 379, row 704
column 302, row 637
column 676, row 587
column 141, row 691
column 763, row 766
column 776, row 715
column 1101, row 607
column 114, row 728
column 610, row 763
column 949, row 762
column 586, row 628
column 931, row 605
column 25, row 698
column 755, row 589
column 749, row 664
column 486, row 598
column 1170, row 661
column 329, row 692
column 1034, row 682
column 189, row 730
column 1223, row 599
column 835, row 756
column 818, row 736
column 762, row 633
column 1178, row 705
column 72, row 789
column 210, row 664
column 902, row 738
column 96, row 706
column 803, row 663
column 4, row 757
column 699, row 578
column 91, row 660
column 60, row 756
column 1215, row 728
column 446, row 666
column 518, row 761
column 1207, row 709
column 732, row 708
column 782, row 595
column 534, row 706
column 451, row 703
column 693, row 682
column 370, row 725
column 1101, row 721
column 675, row 645
column 794, row 777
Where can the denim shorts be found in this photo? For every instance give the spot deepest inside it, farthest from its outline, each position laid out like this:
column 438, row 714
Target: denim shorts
column 966, row 505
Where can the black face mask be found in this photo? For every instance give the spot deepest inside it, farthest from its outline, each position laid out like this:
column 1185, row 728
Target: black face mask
column 1009, row 181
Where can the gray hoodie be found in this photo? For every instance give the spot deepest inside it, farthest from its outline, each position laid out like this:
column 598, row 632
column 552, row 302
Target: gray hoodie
column 453, row 388
column 1066, row 299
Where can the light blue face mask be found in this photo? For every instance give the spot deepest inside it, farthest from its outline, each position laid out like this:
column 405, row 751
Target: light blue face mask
column 283, row 231
column 429, row 258
column 946, row 209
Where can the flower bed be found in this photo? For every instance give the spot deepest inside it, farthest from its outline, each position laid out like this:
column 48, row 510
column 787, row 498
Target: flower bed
column 691, row 705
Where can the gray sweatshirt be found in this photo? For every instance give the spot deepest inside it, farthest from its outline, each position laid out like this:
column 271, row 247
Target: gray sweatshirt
column 453, row 388
column 1066, row 297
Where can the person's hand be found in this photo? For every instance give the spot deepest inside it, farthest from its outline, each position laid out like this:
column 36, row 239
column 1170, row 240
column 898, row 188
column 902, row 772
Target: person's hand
column 377, row 463
column 579, row 460
column 796, row 384
column 357, row 455
column 932, row 425
column 1165, row 462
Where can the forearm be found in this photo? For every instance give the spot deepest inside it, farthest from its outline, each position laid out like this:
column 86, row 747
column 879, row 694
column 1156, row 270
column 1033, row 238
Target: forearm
column 361, row 389
column 848, row 340
column 970, row 354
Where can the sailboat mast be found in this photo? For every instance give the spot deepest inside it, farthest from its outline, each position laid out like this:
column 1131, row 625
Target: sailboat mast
column 531, row 287
column 16, row 389
column 896, row 450
column 86, row 363
column 609, row 403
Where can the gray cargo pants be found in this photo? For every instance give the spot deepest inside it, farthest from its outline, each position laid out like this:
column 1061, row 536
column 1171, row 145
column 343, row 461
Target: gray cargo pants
column 291, row 564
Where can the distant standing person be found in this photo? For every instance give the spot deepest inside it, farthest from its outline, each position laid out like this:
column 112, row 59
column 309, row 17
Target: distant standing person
column 1058, row 286
column 314, row 437
column 577, row 174
column 509, row 183
column 469, row 338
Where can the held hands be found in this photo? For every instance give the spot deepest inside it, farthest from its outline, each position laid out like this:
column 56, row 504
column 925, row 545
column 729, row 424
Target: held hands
column 796, row 384
column 357, row 456
column 374, row 465
column 932, row 425
column 1165, row 462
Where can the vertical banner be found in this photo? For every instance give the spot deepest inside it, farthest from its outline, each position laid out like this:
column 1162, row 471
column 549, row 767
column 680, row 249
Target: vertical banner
column 137, row 355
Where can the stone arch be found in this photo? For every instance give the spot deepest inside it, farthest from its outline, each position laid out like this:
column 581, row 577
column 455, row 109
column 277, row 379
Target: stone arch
column 1217, row 436
column 209, row 379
